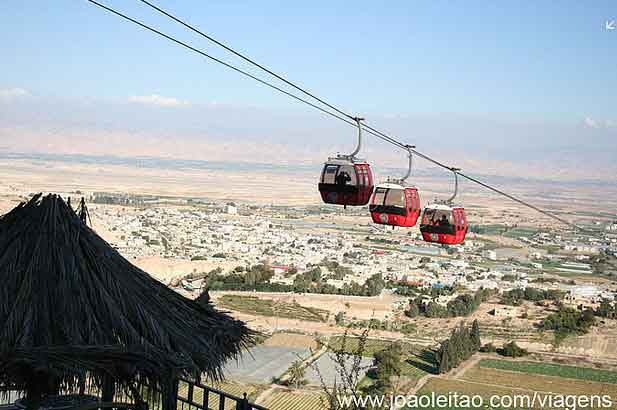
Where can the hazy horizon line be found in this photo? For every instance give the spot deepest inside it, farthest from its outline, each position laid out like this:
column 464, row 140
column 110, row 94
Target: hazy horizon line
column 176, row 163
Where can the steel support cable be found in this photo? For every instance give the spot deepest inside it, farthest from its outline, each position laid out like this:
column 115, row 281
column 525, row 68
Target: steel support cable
column 245, row 58
column 204, row 54
column 489, row 187
column 238, row 70
column 269, row 71
column 347, row 118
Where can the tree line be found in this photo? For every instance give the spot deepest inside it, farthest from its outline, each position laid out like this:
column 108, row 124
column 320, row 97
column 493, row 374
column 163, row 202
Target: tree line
column 515, row 297
column 258, row 278
column 607, row 309
column 462, row 305
column 411, row 290
column 568, row 321
column 510, row 349
column 461, row 345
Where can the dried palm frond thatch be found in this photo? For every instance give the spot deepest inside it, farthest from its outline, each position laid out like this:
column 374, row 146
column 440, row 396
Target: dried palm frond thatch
column 72, row 307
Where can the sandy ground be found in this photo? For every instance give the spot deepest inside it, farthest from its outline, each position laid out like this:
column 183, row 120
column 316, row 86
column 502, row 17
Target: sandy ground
column 272, row 324
column 6, row 204
column 361, row 308
column 251, row 187
column 292, row 340
column 166, row 270
column 287, row 188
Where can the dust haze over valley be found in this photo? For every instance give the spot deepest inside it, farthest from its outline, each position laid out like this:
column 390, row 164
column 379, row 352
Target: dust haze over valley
column 163, row 146
column 574, row 149
column 273, row 184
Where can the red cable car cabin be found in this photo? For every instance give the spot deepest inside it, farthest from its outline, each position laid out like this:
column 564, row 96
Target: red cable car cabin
column 443, row 223
column 396, row 205
column 346, row 182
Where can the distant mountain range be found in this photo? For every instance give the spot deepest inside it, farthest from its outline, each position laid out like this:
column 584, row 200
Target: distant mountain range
column 582, row 149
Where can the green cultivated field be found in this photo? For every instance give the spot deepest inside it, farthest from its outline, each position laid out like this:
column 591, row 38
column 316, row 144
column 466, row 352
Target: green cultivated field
column 417, row 361
column 486, row 382
column 550, row 369
column 499, row 229
column 267, row 307
column 294, row 400
column 521, row 231
column 351, row 345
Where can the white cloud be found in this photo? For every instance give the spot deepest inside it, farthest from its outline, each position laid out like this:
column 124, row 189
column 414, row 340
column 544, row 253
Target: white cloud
column 158, row 100
column 599, row 124
column 12, row 93
column 591, row 123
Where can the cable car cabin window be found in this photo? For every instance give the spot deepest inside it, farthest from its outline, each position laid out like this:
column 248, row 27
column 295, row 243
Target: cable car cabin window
column 457, row 219
column 413, row 201
column 389, row 201
column 409, row 201
column 395, row 198
column 346, row 175
column 438, row 221
column 380, row 195
column 362, row 175
column 329, row 174
column 341, row 175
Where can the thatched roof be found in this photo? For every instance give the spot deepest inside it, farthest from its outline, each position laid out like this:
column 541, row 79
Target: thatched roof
column 72, row 305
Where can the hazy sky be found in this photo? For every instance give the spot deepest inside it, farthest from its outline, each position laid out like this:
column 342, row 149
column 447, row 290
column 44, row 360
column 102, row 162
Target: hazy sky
column 475, row 78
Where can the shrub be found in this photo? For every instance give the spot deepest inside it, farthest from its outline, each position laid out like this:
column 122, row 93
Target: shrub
column 488, row 348
column 513, row 350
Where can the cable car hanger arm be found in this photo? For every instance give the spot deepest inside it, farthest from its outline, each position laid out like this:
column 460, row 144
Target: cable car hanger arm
column 358, row 121
column 409, row 153
column 455, row 172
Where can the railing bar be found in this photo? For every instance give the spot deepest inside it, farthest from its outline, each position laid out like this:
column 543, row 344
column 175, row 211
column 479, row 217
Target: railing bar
column 219, row 392
column 190, row 393
column 214, row 390
column 206, row 398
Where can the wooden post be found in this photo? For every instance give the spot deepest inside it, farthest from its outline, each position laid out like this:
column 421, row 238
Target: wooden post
column 82, row 383
column 108, row 389
column 53, row 387
column 243, row 404
column 169, row 392
column 34, row 395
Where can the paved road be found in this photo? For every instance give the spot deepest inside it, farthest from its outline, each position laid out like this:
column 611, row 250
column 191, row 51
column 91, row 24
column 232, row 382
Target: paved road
column 262, row 363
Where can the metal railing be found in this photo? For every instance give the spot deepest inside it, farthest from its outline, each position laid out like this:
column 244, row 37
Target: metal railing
column 186, row 395
column 201, row 397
